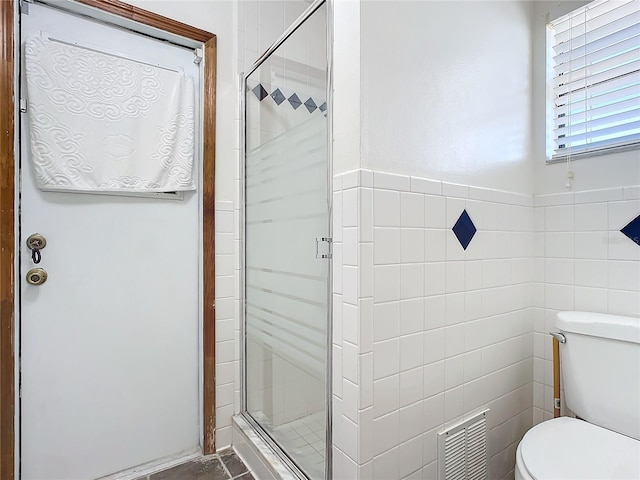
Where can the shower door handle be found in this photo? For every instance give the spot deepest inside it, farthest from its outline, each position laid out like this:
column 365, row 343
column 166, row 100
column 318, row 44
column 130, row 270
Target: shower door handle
column 328, row 240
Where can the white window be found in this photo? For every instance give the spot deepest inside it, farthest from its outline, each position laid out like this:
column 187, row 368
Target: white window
column 594, row 79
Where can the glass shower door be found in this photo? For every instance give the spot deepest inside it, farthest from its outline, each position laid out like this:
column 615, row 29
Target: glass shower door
column 286, row 278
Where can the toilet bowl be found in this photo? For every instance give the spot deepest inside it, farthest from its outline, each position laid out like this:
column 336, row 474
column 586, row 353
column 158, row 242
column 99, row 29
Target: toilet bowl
column 566, row 449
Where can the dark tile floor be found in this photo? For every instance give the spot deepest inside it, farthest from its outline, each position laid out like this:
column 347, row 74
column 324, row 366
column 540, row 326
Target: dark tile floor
column 224, row 465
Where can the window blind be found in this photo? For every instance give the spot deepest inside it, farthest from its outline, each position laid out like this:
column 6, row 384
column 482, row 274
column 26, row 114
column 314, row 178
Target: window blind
column 596, row 77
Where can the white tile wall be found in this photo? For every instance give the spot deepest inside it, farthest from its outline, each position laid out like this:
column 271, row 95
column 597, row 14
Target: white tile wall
column 582, row 262
column 227, row 323
column 442, row 331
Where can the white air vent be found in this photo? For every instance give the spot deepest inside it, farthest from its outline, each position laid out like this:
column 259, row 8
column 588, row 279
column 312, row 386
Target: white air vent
column 462, row 450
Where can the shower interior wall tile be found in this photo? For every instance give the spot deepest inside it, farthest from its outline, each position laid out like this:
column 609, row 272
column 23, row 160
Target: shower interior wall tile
column 582, row 262
column 260, row 23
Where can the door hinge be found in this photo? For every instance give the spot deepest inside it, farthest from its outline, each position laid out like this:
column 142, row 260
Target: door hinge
column 197, row 53
column 23, row 105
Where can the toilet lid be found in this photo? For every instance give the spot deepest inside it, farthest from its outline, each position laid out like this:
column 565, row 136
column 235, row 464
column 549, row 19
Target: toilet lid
column 567, row 448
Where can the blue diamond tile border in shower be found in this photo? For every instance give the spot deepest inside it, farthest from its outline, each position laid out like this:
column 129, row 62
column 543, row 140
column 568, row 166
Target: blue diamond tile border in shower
column 464, row 229
column 632, row 230
column 311, row 105
column 259, row 92
column 294, row 100
column 278, row 96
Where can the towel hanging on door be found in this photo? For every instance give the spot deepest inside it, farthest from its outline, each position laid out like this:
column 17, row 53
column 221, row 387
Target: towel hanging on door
column 104, row 123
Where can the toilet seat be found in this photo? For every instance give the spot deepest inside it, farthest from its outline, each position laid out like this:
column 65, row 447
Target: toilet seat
column 567, row 448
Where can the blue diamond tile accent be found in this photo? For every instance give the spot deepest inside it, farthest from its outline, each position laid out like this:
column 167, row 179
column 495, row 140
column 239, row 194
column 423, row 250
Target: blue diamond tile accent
column 323, row 107
column 259, row 92
column 311, row 105
column 278, row 96
column 464, row 229
column 632, row 230
column 294, row 101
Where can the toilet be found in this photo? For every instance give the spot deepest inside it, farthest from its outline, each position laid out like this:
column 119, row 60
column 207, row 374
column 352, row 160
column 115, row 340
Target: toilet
column 601, row 374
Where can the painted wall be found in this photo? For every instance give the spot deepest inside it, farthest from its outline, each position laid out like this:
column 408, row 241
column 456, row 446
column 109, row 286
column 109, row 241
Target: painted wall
column 346, row 86
column 607, row 171
column 446, row 91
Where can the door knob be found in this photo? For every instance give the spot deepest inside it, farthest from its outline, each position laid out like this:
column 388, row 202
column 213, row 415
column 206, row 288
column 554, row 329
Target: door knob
column 36, row 276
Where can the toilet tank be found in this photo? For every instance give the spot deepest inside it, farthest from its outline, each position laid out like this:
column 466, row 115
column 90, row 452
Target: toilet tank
column 600, row 364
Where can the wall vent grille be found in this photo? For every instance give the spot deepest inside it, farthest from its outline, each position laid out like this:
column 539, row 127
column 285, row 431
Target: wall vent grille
column 462, row 450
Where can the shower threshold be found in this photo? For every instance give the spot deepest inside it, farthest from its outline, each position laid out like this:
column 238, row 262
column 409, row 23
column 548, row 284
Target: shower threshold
column 262, row 458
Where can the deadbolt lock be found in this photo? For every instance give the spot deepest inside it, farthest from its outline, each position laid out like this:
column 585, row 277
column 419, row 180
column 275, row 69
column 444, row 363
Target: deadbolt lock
column 36, row 276
column 36, row 241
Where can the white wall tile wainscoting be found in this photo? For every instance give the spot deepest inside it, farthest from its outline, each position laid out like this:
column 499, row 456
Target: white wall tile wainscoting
column 427, row 332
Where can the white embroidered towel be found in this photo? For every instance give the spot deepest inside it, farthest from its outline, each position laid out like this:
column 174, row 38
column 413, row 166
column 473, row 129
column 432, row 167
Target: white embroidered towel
column 104, row 123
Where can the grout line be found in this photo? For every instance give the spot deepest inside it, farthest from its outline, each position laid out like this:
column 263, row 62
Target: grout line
column 224, row 467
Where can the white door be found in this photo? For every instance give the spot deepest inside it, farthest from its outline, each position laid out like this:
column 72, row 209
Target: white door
column 109, row 344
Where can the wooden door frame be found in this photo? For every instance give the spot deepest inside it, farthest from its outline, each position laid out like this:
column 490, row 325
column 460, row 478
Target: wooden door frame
column 8, row 167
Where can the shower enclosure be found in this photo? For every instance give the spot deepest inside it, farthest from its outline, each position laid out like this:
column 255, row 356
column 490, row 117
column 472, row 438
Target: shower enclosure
column 287, row 246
